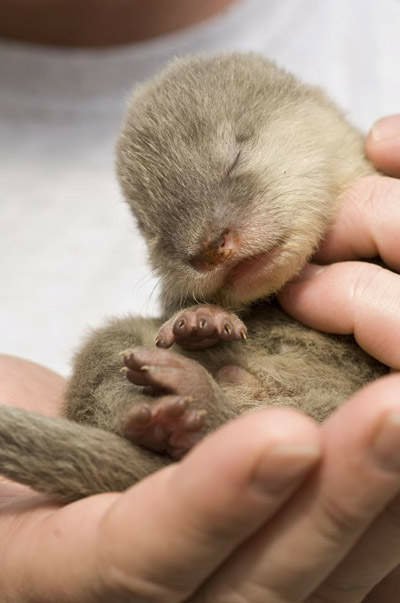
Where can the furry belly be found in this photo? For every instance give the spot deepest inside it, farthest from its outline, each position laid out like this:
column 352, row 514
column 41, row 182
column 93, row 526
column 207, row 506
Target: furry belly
column 285, row 363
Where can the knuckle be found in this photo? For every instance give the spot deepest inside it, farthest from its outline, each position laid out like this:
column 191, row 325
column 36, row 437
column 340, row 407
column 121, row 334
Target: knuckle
column 120, row 586
column 366, row 195
column 336, row 520
column 366, row 281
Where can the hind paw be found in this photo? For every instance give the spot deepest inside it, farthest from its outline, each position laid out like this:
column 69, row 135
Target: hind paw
column 170, row 425
column 181, row 391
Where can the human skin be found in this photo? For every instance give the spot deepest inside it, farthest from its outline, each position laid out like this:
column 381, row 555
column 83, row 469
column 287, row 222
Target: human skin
column 112, row 546
column 331, row 492
column 100, row 23
column 366, row 226
column 383, row 145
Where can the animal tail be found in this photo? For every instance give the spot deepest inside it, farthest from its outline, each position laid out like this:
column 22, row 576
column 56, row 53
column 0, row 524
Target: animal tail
column 68, row 460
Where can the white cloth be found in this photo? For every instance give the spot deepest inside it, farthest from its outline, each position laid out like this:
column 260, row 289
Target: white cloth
column 69, row 252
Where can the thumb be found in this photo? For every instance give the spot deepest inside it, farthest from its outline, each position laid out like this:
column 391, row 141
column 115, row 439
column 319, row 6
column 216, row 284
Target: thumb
column 161, row 539
column 383, row 145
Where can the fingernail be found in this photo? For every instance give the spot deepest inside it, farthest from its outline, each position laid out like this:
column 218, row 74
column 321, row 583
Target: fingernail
column 307, row 273
column 387, row 441
column 386, row 128
column 284, row 466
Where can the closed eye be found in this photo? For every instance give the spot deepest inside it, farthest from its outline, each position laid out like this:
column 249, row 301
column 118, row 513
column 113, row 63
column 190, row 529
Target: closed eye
column 234, row 164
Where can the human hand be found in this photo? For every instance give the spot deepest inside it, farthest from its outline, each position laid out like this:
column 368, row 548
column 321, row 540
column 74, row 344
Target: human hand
column 351, row 296
column 160, row 540
column 163, row 537
column 356, row 297
column 266, row 531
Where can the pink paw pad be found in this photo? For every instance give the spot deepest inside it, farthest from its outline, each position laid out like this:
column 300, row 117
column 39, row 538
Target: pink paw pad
column 169, row 425
column 201, row 327
column 173, row 420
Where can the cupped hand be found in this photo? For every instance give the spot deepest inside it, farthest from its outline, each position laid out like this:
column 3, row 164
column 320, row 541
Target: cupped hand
column 270, row 507
column 161, row 539
column 338, row 535
column 339, row 294
column 164, row 537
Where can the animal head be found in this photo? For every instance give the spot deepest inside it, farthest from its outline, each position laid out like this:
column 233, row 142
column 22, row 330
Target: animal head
column 228, row 164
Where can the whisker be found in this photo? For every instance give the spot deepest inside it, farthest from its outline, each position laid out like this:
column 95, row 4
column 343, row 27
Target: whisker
column 142, row 280
column 153, row 290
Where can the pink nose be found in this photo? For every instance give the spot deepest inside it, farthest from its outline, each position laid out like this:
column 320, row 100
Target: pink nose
column 214, row 253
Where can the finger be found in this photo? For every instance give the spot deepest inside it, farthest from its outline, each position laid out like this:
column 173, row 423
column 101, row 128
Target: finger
column 374, row 556
column 386, row 591
column 163, row 537
column 360, row 473
column 350, row 297
column 383, row 145
column 367, row 223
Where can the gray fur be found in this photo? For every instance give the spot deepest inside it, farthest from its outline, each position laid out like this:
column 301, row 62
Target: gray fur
column 182, row 134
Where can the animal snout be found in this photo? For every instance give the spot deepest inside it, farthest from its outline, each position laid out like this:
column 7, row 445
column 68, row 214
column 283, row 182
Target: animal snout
column 216, row 252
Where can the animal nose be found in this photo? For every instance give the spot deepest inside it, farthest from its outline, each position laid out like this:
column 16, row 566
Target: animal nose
column 216, row 252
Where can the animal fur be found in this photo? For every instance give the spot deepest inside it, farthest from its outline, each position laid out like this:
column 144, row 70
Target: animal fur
column 229, row 144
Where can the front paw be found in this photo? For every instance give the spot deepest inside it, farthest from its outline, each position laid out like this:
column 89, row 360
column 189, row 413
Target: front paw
column 201, row 327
